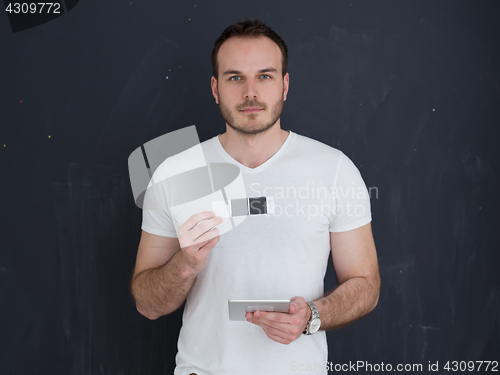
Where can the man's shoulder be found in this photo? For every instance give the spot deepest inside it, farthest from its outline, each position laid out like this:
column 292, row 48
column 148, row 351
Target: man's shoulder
column 188, row 159
column 316, row 148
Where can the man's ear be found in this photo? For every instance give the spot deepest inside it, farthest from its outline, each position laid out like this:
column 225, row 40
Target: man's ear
column 215, row 89
column 286, row 84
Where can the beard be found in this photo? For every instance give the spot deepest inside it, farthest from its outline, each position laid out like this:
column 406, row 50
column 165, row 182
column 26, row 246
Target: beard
column 261, row 127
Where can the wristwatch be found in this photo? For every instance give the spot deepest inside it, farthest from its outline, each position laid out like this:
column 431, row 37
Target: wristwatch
column 315, row 322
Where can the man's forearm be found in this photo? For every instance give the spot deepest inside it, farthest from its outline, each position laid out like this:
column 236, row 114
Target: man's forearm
column 160, row 291
column 349, row 302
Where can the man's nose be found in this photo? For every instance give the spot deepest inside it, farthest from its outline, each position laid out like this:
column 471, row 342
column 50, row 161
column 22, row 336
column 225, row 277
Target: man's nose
column 250, row 91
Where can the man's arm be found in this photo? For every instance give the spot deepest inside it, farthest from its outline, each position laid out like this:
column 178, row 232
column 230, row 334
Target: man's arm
column 160, row 283
column 355, row 261
column 166, row 268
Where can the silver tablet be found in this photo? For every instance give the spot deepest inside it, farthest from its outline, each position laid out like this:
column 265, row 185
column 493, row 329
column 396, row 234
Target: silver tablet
column 238, row 308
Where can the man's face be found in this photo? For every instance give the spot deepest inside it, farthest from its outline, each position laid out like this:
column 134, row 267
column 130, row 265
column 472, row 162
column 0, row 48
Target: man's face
column 250, row 76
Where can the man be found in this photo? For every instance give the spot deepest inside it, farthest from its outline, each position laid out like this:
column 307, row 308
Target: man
column 279, row 256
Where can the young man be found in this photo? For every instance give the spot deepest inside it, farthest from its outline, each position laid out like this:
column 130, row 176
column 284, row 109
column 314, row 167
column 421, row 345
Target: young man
column 278, row 256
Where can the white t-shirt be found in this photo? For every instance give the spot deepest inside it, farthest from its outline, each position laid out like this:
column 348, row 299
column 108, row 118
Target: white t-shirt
column 316, row 190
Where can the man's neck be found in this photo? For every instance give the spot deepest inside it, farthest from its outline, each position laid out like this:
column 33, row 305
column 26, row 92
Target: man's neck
column 254, row 150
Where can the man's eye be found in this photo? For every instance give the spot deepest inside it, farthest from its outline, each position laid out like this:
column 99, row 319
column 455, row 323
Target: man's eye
column 262, row 75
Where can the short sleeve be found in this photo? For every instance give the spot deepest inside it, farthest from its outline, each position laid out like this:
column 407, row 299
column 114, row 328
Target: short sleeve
column 156, row 216
column 351, row 200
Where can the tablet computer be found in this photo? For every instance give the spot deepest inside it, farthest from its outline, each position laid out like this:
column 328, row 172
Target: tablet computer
column 238, row 308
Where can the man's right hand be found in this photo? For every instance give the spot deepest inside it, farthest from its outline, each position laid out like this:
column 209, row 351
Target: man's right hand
column 197, row 238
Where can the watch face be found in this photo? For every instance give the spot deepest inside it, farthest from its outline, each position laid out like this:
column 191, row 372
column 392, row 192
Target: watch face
column 314, row 326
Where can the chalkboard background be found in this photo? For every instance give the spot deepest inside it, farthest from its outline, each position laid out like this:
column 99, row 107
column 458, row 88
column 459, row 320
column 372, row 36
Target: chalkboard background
column 409, row 90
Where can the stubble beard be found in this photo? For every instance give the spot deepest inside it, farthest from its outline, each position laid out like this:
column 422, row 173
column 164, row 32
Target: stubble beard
column 227, row 115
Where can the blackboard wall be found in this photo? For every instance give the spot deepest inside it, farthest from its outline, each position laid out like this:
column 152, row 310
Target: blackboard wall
column 409, row 90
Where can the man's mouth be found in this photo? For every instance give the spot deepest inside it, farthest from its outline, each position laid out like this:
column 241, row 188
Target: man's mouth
column 251, row 110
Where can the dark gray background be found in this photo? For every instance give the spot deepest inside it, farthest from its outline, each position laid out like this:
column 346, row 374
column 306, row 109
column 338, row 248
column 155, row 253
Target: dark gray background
column 409, row 90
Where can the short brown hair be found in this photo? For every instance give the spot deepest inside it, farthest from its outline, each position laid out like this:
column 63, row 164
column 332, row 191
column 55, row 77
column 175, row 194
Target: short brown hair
column 249, row 29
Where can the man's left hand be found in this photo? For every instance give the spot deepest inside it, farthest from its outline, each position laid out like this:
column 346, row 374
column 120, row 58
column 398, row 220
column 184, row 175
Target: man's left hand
column 283, row 327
